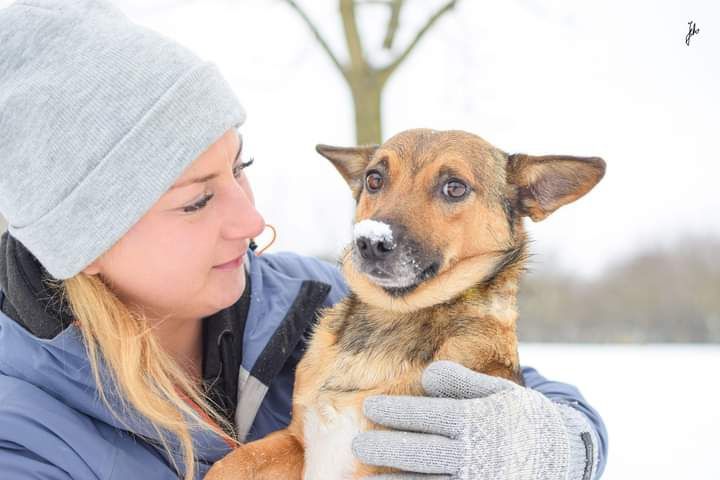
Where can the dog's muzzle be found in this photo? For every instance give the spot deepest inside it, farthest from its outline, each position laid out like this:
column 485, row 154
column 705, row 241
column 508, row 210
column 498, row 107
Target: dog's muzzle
column 390, row 258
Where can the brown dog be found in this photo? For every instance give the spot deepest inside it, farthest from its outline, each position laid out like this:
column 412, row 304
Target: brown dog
column 438, row 250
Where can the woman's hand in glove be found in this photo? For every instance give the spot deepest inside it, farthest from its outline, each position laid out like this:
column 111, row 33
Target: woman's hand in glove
column 474, row 426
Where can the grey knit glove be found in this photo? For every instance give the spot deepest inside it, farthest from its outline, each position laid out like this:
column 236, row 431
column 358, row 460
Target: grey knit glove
column 488, row 428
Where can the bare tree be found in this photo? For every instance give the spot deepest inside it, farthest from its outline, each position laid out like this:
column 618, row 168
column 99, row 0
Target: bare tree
column 366, row 82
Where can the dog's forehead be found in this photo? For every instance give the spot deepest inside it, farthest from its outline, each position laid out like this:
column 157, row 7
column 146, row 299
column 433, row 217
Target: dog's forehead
column 423, row 145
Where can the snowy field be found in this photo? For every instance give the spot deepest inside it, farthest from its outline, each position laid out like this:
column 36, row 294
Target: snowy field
column 661, row 403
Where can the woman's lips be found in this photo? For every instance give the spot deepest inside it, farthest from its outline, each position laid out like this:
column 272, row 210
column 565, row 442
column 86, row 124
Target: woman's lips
column 232, row 264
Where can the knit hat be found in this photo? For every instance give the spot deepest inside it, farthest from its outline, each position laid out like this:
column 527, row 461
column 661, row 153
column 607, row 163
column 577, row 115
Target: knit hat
column 98, row 118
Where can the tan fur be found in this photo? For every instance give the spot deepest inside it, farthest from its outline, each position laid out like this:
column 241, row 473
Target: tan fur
column 373, row 342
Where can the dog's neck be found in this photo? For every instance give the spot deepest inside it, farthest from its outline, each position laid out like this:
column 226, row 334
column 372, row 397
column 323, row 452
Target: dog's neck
column 476, row 327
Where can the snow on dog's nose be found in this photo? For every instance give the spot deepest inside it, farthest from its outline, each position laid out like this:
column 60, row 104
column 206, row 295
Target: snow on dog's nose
column 373, row 239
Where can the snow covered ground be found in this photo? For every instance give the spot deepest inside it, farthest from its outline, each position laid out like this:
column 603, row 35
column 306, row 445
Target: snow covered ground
column 661, row 403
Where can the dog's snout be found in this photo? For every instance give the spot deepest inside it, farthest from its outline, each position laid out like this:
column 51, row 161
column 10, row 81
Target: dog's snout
column 374, row 249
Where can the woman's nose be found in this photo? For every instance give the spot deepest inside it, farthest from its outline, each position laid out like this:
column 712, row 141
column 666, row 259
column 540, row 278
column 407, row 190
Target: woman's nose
column 243, row 220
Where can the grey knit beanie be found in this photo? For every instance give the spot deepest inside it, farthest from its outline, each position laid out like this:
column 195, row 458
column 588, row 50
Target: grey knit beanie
column 98, row 118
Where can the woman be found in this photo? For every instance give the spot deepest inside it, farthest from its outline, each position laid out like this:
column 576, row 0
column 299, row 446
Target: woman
column 139, row 334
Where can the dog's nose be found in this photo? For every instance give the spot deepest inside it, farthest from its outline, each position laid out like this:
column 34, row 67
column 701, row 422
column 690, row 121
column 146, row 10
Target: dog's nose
column 374, row 249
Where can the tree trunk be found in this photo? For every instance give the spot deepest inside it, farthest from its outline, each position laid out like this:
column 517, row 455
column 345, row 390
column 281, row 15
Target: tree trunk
column 367, row 95
column 365, row 81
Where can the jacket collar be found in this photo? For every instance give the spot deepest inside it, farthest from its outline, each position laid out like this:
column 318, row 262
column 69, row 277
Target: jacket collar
column 29, row 300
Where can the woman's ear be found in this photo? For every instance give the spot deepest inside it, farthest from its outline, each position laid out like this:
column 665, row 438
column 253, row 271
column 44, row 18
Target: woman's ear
column 545, row 183
column 350, row 162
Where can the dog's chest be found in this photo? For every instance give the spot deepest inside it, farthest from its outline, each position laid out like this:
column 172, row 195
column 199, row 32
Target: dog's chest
column 351, row 359
column 328, row 434
column 332, row 414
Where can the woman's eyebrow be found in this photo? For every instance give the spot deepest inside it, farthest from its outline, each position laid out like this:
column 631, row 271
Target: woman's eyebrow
column 206, row 178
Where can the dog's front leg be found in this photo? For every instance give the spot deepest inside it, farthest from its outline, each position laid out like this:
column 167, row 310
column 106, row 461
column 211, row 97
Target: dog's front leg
column 279, row 456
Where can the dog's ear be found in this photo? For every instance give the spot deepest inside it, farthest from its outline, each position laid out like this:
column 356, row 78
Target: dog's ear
column 350, row 162
column 546, row 183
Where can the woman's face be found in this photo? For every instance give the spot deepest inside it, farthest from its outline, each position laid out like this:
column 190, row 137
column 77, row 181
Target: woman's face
column 167, row 262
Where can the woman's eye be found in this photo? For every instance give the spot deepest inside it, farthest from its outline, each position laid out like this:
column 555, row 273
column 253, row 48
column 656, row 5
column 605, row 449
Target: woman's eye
column 455, row 189
column 239, row 167
column 199, row 205
column 374, row 181
column 237, row 172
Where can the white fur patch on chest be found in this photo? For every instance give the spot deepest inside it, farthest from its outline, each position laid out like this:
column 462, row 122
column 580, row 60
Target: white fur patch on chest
column 328, row 438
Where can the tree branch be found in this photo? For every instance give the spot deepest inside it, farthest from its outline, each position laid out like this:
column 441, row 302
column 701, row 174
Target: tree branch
column 318, row 35
column 387, row 71
column 392, row 23
column 352, row 36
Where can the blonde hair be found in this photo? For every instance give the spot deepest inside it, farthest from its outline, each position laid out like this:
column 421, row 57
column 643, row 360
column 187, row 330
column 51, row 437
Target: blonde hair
column 146, row 377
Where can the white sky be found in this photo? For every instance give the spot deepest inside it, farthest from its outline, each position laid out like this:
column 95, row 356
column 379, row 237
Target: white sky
column 613, row 79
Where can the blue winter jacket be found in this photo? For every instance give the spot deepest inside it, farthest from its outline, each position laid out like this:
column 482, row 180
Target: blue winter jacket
column 53, row 427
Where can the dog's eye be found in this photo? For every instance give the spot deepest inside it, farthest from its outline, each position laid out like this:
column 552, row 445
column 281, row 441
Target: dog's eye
column 455, row 189
column 374, row 181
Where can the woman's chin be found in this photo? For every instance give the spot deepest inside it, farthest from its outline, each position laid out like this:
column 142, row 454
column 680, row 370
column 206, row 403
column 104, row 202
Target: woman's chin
column 230, row 288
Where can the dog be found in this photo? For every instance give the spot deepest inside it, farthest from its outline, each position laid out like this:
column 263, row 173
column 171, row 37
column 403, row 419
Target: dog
column 433, row 268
